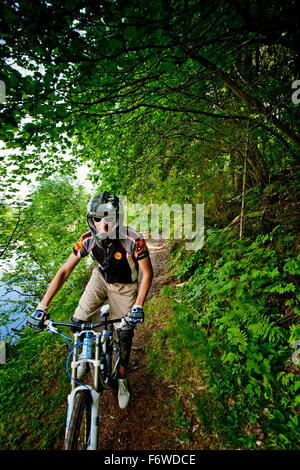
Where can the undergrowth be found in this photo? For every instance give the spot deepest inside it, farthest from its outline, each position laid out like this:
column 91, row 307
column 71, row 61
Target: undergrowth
column 235, row 320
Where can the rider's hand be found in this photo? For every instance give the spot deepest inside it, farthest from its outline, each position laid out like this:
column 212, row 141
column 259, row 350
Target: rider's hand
column 37, row 318
column 136, row 315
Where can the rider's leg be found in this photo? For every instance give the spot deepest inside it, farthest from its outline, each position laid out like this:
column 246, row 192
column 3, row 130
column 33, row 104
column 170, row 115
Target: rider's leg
column 93, row 297
column 121, row 298
column 125, row 342
column 90, row 302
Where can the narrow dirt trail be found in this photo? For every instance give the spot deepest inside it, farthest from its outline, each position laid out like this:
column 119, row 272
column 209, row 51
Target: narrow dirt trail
column 145, row 423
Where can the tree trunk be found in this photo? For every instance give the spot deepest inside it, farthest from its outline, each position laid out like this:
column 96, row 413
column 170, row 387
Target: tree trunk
column 242, row 220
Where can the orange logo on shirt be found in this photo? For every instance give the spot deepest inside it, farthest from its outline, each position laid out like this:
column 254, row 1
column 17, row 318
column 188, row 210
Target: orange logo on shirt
column 140, row 246
column 79, row 245
column 118, row 255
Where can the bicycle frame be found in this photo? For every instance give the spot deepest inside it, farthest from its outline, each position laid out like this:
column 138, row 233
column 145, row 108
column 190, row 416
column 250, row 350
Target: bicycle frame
column 94, row 391
column 101, row 376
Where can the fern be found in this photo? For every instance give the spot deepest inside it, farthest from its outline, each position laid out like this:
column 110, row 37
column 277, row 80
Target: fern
column 238, row 337
column 243, row 299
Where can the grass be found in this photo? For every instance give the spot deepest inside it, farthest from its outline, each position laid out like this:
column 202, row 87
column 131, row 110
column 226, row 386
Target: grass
column 33, row 392
column 175, row 359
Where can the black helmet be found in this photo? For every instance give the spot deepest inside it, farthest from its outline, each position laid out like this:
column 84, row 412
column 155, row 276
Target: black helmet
column 103, row 204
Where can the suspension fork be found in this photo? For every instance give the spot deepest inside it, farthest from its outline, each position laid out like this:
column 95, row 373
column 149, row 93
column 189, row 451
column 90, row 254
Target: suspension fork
column 74, row 359
column 98, row 348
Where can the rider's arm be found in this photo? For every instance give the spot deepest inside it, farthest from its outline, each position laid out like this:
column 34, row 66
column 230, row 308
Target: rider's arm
column 147, row 276
column 60, row 278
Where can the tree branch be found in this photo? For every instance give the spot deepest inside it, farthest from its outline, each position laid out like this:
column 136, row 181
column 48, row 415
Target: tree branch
column 250, row 100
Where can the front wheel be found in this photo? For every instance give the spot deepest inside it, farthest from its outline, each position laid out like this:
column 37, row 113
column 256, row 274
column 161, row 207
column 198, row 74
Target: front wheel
column 79, row 428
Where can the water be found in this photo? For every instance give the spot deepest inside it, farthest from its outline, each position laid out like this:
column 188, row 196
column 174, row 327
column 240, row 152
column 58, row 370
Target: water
column 8, row 297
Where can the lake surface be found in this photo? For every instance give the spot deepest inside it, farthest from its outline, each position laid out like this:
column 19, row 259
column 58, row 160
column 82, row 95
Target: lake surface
column 7, row 299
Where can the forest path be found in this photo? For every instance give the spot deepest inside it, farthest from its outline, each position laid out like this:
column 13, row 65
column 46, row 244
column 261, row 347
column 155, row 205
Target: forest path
column 146, row 423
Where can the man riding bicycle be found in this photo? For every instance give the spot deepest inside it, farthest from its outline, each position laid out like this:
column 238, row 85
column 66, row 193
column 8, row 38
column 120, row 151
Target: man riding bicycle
column 120, row 252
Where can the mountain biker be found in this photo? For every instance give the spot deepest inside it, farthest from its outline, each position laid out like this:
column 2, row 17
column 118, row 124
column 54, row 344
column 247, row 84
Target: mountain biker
column 120, row 252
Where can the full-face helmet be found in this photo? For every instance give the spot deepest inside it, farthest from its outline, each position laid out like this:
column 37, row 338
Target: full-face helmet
column 104, row 205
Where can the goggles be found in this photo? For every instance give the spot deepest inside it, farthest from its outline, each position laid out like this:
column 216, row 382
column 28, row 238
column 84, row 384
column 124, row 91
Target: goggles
column 105, row 218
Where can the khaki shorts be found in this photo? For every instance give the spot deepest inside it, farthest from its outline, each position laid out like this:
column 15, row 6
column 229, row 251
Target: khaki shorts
column 120, row 298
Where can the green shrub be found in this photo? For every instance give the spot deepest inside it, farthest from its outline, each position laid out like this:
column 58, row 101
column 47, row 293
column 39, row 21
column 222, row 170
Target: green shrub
column 238, row 314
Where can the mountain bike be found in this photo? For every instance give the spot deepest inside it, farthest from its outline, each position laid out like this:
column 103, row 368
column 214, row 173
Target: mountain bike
column 100, row 351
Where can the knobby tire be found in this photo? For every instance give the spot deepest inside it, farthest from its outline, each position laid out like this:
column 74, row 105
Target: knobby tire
column 80, row 422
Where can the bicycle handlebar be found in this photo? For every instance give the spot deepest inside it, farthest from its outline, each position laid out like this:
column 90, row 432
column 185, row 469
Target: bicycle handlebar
column 86, row 326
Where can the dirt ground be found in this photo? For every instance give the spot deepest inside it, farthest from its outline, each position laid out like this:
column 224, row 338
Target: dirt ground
column 145, row 424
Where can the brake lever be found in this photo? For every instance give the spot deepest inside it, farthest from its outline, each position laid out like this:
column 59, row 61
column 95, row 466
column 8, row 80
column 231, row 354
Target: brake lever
column 122, row 324
column 51, row 328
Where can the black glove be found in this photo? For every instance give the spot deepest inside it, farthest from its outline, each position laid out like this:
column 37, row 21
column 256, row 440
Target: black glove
column 76, row 328
column 136, row 315
column 37, row 318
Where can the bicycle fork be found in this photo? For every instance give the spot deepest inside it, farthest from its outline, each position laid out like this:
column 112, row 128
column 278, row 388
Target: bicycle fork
column 92, row 445
column 94, row 394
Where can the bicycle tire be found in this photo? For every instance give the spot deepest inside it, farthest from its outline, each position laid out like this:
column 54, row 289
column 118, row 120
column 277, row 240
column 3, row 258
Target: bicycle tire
column 80, row 422
column 112, row 359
